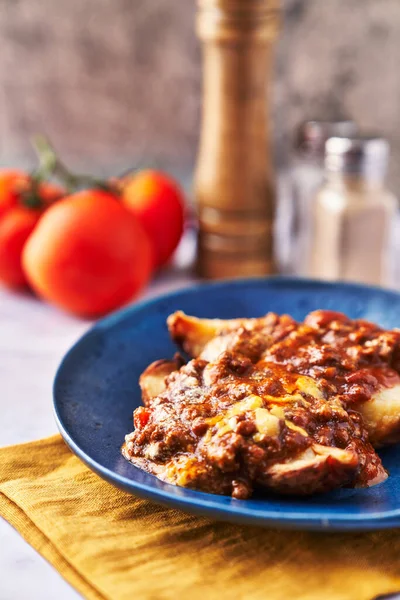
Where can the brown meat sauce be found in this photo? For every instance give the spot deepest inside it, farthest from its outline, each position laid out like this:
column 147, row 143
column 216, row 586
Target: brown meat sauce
column 230, row 426
column 352, row 358
column 277, row 408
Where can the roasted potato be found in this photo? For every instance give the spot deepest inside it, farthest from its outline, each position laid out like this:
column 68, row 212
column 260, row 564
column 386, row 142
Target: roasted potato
column 153, row 379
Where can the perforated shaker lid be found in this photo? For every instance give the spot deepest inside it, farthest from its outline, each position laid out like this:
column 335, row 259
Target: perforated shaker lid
column 360, row 155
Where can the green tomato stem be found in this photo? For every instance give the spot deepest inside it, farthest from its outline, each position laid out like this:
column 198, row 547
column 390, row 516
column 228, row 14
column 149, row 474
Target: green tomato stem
column 51, row 165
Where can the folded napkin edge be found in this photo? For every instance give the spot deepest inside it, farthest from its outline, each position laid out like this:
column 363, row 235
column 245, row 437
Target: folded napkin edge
column 20, row 521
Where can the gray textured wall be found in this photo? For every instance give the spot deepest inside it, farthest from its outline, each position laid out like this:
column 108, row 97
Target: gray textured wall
column 115, row 82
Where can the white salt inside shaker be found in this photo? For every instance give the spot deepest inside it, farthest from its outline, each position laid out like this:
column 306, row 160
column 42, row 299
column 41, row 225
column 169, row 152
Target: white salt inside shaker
column 354, row 213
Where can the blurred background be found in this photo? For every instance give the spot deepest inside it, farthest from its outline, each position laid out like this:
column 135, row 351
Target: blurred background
column 118, row 82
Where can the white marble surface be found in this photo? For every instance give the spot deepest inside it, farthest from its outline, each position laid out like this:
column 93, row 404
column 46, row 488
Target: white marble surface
column 33, row 339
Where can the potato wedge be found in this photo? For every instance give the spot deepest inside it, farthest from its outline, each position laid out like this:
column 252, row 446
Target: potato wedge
column 316, row 470
column 381, row 414
column 153, row 379
column 193, row 334
column 207, row 338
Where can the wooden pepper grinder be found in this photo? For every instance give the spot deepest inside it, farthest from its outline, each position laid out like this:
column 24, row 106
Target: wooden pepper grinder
column 234, row 180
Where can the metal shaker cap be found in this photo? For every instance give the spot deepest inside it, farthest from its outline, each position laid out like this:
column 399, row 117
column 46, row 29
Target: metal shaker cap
column 312, row 135
column 366, row 155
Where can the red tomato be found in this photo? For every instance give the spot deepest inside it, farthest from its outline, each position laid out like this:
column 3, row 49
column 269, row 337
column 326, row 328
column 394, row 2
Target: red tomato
column 141, row 417
column 15, row 228
column 49, row 192
column 158, row 203
column 12, row 182
column 18, row 219
column 88, row 254
column 16, row 188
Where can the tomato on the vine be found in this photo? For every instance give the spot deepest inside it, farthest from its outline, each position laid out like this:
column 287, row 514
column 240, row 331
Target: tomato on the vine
column 88, row 254
column 157, row 201
column 12, row 183
column 22, row 202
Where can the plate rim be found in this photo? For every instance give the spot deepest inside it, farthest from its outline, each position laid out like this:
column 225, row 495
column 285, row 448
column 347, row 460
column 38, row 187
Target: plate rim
column 207, row 503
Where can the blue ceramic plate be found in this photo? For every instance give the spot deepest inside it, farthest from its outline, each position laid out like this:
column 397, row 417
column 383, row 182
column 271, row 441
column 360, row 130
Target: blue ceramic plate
column 96, row 390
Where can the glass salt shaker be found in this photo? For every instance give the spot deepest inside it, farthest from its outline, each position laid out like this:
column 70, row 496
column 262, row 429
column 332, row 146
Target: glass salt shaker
column 354, row 213
column 306, row 177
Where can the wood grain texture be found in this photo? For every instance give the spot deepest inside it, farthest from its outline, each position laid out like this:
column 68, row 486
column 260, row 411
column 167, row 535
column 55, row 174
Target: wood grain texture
column 234, row 181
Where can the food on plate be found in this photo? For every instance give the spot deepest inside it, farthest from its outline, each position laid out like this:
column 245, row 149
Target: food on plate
column 359, row 359
column 207, row 338
column 269, row 403
column 88, row 254
column 228, row 427
column 157, row 201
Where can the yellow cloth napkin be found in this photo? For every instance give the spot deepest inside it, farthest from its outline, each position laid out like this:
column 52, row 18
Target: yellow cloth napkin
column 111, row 545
